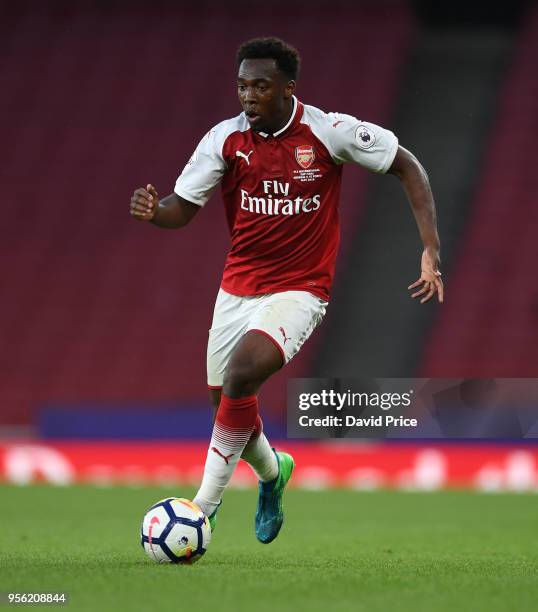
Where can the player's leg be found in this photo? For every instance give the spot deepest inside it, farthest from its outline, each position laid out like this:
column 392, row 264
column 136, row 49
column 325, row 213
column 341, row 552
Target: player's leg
column 252, row 362
column 287, row 319
column 254, row 359
column 214, row 398
column 258, row 452
column 230, row 320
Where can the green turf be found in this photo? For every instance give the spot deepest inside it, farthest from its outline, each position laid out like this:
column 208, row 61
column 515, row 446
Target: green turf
column 338, row 550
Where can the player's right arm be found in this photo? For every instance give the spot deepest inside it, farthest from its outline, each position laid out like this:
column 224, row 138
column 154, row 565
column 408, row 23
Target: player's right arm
column 194, row 186
column 171, row 212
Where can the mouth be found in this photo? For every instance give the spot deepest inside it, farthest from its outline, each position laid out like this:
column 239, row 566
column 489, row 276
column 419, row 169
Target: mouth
column 252, row 117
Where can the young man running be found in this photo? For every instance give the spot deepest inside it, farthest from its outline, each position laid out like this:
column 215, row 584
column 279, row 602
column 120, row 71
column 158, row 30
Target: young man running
column 279, row 164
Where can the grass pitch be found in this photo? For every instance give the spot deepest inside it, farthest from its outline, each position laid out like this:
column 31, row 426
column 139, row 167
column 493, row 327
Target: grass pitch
column 338, row 550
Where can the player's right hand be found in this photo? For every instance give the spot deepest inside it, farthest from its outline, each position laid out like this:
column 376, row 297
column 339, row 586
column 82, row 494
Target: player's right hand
column 144, row 203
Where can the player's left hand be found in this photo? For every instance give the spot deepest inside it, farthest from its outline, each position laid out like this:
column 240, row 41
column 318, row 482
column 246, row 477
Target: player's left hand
column 430, row 281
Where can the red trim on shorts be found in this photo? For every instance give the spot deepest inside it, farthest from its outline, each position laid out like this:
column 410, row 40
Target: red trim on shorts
column 214, row 386
column 264, row 333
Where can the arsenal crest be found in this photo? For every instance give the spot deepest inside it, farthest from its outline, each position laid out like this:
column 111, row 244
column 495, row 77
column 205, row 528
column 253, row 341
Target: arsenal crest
column 305, row 156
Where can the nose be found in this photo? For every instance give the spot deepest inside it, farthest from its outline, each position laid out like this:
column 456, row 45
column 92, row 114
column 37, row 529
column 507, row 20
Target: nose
column 249, row 95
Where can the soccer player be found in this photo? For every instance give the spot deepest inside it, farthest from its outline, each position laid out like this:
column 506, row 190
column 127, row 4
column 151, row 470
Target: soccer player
column 279, row 164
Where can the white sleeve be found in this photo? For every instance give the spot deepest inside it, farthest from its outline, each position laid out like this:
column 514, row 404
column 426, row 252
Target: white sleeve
column 350, row 140
column 203, row 171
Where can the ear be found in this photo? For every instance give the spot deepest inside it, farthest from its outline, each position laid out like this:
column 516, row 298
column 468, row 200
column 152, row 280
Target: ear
column 289, row 89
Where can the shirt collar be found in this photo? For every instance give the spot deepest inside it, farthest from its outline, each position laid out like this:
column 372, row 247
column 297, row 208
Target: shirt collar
column 290, row 121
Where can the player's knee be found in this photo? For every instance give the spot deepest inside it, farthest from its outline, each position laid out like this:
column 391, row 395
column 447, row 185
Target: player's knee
column 241, row 379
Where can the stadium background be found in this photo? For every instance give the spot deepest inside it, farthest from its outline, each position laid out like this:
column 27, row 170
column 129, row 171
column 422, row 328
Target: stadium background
column 103, row 321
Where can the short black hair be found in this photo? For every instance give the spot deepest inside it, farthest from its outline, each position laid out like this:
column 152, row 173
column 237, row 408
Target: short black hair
column 286, row 57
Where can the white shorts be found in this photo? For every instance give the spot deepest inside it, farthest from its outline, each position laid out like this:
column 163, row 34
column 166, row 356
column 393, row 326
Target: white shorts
column 287, row 319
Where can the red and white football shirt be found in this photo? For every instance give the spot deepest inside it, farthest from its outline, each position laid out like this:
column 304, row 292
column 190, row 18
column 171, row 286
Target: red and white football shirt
column 281, row 194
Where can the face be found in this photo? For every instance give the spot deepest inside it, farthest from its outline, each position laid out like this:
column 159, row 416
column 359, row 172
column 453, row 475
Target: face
column 264, row 93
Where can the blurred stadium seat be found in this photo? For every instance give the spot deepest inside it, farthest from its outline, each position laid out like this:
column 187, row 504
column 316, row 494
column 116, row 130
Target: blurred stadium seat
column 98, row 101
column 489, row 325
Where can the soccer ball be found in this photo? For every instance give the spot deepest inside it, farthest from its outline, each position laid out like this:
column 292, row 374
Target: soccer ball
column 175, row 530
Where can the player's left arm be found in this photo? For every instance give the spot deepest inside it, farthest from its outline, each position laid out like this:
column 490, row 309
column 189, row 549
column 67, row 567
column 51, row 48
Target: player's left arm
column 417, row 187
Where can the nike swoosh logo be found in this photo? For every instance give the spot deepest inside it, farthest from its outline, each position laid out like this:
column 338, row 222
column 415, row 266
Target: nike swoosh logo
column 154, row 521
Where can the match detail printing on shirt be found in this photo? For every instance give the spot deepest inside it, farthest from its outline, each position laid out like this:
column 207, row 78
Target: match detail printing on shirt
column 281, row 194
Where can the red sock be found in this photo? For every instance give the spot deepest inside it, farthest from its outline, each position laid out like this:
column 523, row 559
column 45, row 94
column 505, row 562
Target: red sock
column 236, row 417
column 258, row 428
column 233, row 427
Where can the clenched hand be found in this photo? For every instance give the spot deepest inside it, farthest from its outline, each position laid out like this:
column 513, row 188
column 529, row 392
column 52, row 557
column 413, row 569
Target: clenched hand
column 144, row 203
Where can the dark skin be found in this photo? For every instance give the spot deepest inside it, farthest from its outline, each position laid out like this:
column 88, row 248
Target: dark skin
column 265, row 94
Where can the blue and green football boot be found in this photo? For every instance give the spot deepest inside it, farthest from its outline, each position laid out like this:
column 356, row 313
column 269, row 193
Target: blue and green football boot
column 269, row 514
column 213, row 518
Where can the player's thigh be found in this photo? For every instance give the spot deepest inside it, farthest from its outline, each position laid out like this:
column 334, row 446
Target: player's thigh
column 288, row 319
column 230, row 321
column 254, row 359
